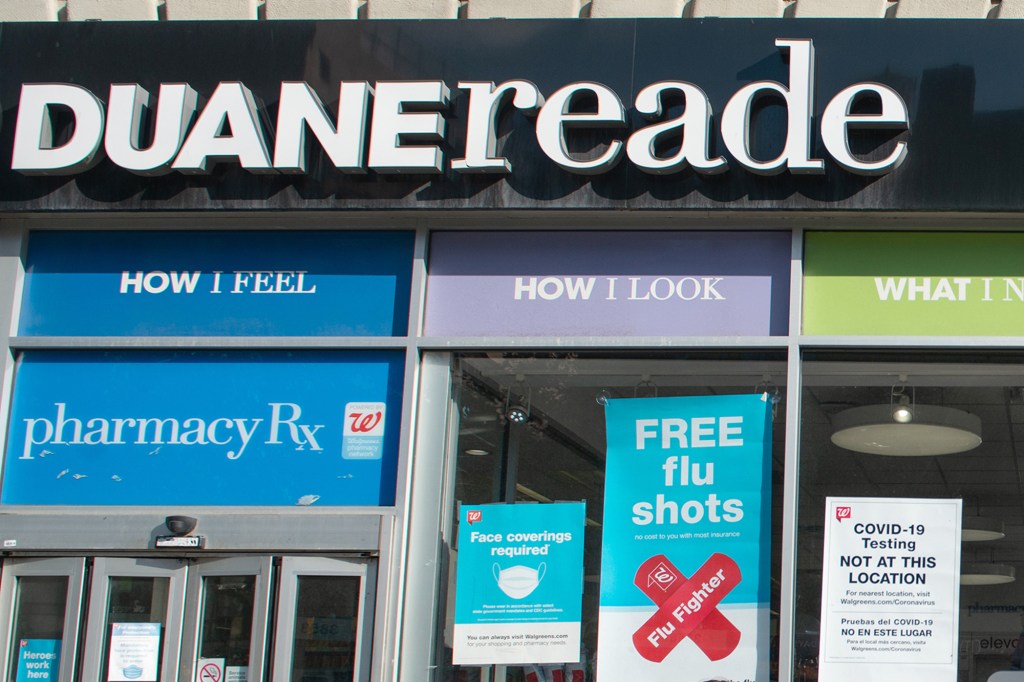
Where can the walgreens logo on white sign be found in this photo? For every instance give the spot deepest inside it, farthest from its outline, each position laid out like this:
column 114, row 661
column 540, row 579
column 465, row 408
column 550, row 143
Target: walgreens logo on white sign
column 364, row 431
column 391, row 126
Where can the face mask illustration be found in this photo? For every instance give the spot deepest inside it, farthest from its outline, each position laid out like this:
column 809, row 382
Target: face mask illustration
column 518, row 581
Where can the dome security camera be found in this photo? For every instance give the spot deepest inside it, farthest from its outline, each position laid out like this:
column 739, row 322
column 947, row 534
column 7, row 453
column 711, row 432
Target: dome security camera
column 180, row 525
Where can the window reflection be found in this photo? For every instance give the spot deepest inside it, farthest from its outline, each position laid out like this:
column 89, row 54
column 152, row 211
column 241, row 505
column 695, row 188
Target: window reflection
column 39, row 609
column 324, row 648
column 557, row 453
column 988, row 478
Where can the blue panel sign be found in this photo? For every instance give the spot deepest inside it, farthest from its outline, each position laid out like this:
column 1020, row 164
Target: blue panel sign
column 203, row 428
column 684, row 563
column 519, row 588
column 217, row 284
column 38, row 660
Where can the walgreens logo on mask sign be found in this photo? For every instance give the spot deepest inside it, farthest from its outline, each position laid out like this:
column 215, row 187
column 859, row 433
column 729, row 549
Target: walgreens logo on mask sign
column 373, row 122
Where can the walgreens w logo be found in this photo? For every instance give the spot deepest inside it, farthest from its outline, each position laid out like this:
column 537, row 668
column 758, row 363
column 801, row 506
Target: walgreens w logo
column 364, row 419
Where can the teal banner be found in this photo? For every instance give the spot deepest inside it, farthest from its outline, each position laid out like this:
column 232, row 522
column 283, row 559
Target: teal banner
column 38, row 660
column 684, row 567
column 519, row 587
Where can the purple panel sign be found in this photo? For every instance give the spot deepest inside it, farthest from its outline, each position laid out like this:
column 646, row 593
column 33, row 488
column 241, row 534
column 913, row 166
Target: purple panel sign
column 608, row 284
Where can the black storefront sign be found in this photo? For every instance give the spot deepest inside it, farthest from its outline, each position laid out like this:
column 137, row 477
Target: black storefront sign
column 948, row 137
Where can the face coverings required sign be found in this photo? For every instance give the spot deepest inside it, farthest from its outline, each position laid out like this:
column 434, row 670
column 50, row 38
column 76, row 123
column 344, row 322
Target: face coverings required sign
column 890, row 589
column 519, row 584
column 684, row 564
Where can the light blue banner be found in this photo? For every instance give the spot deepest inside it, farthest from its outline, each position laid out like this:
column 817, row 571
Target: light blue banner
column 519, row 583
column 516, row 555
column 684, row 567
column 38, row 660
column 204, row 428
column 217, row 283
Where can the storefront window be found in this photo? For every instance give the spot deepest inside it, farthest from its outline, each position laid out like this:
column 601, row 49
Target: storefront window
column 968, row 448
column 531, row 430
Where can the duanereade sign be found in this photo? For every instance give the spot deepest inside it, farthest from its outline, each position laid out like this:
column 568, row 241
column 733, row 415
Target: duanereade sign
column 399, row 126
column 204, row 428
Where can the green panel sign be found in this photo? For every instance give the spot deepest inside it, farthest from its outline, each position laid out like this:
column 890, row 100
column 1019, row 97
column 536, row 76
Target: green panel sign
column 913, row 284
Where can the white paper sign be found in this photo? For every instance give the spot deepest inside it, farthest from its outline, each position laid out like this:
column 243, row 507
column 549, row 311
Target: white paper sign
column 134, row 652
column 890, row 590
column 236, row 673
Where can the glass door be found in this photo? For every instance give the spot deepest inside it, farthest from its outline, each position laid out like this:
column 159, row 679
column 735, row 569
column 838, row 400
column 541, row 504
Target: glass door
column 324, row 620
column 186, row 620
column 133, row 632
column 225, row 628
column 40, row 607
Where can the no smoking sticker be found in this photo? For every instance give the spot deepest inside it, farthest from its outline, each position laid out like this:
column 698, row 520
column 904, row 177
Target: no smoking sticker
column 210, row 670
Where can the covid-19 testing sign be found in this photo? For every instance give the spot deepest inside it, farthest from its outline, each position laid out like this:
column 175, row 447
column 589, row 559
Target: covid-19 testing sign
column 519, row 586
column 684, row 564
column 890, row 590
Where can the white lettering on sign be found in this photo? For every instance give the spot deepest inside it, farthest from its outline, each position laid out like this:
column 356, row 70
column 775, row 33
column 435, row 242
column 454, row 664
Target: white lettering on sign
column 922, row 288
column 282, row 426
column 680, row 472
column 554, row 288
column 402, row 125
column 697, row 432
column 953, row 289
column 242, row 282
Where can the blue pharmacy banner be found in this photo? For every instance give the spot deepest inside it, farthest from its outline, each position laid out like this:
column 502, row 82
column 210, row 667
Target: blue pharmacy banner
column 217, row 284
column 685, row 547
column 38, row 660
column 519, row 587
column 204, row 428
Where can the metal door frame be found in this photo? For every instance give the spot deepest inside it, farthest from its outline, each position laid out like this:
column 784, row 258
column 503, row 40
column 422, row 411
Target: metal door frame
column 195, row 601
column 105, row 568
column 74, row 569
column 292, row 568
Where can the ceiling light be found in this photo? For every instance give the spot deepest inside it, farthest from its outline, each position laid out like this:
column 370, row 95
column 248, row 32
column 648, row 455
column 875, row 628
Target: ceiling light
column 517, row 414
column 902, row 413
column 477, row 452
column 981, row 529
column 933, row 431
column 517, row 411
column 901, row 403
column 987, row 574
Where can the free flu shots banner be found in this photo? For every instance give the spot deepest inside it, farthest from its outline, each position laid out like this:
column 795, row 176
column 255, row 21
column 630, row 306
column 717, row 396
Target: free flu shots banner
column 685, row 549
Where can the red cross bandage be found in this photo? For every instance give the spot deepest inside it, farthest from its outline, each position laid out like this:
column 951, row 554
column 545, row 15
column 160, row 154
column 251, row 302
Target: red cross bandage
column 687, row 607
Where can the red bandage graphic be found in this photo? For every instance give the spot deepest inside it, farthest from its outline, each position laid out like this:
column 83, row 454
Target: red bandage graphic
column 687, row 607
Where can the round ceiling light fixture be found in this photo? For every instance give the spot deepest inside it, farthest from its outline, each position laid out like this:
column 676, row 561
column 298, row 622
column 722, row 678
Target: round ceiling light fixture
column 987, row 574
column 903, row 411
column 933, row 430
column 517, row 414
column 981, row 529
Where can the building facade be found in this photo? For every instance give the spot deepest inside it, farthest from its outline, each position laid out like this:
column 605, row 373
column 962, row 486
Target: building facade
column 284, row 301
